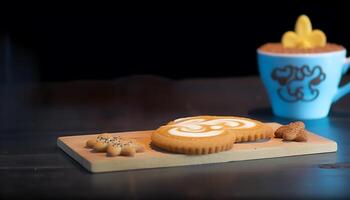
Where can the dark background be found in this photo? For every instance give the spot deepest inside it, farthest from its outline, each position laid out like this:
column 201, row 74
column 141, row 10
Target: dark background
column 109, row 44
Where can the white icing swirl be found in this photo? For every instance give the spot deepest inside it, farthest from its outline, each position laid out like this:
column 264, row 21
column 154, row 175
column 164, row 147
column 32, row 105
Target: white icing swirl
column 198, row 127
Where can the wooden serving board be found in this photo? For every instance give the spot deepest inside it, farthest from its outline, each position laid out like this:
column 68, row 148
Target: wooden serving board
column 155, row 158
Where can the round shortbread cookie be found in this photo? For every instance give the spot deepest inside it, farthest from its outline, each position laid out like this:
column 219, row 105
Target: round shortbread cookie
column 208, row 134
column 193, row 136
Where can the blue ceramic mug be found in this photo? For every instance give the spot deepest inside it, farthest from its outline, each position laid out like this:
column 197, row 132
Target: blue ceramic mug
column 303, row 86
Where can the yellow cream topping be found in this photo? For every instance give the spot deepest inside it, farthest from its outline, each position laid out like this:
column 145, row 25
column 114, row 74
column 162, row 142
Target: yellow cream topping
column 303, row 36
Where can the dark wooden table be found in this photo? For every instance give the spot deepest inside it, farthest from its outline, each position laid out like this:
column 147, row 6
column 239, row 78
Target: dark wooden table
column 34, row 115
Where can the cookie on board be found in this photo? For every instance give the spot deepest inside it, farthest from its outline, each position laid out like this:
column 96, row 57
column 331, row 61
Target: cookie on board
column 208, row 134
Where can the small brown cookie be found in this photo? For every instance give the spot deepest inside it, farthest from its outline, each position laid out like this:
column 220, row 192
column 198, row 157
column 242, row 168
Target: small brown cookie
column 293, row 125
column 294, row 131
column 119, row 146
column 114, row 146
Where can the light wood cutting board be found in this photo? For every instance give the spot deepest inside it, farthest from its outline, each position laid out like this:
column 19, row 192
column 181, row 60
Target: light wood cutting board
column 153, row 157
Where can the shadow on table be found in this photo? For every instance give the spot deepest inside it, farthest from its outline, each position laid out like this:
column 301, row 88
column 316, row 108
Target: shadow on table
column 339, row 114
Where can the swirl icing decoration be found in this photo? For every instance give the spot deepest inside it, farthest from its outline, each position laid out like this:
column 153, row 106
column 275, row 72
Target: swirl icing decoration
column 202, row 127
column 304, row 36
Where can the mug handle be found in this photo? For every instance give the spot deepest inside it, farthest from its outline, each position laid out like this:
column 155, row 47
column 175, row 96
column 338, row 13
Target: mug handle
column 342, row 91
